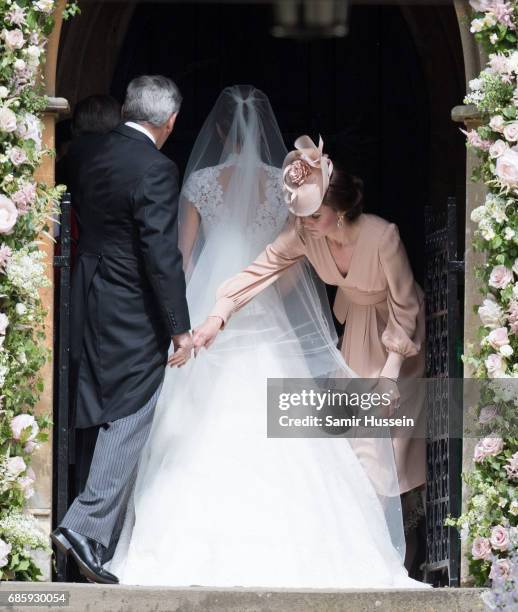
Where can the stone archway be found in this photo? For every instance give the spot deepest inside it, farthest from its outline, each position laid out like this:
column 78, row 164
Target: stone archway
column 76, row 46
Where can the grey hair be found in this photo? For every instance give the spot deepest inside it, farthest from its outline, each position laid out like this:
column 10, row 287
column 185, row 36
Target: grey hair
column 152, row 99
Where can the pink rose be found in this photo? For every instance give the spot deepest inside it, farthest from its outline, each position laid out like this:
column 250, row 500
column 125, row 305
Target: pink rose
column 30, row 447
column 298, row 172
column 511, row 131
column 22, row 422
column 487, row 414
column 13, row 39
column 15, row 467
column 500, row 277
column 501, row 569
column 498, row 337
column 26, row 485
column 497, row 124
column 507, row 168
column 511, row 467
column 24, row 197
column 488, row 447
column 481, row 548
column 495, row 366
column 499, row 147
column 17, row 156
column 499, row 538
column 7, row 120
column 5, row 256
column 475, row 140
column 8, row 215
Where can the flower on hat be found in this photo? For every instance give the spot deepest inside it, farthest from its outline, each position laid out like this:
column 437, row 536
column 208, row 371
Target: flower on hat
column 298, row 172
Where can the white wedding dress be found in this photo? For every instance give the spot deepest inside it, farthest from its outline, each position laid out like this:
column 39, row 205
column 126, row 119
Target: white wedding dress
column 216, row 502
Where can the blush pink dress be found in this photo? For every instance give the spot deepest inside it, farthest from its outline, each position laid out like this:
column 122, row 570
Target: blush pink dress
column 378, row 300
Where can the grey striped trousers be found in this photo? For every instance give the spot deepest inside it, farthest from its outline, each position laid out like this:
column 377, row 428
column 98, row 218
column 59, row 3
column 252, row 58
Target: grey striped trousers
column 98, row 510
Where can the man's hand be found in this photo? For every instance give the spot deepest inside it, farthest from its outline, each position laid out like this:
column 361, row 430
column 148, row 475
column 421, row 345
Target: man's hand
column 205, row 335
column 182, row 350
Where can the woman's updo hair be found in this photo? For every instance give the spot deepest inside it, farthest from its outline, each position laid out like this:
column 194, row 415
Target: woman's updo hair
column 345, row 193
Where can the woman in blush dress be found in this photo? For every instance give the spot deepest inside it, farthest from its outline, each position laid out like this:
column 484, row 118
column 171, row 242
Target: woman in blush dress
column 378, row 299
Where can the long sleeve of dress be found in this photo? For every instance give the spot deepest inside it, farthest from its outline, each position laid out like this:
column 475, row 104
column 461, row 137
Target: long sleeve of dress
column 403, row 296
column 234, row 293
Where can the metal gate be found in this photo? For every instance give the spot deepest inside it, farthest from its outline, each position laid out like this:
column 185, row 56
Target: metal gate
column 61, row 463
column 444, row 396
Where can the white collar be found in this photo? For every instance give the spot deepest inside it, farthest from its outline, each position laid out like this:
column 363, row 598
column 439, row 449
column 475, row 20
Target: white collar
column 141, row 128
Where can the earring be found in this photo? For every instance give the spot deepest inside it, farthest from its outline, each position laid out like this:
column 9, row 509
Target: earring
column 340, row 222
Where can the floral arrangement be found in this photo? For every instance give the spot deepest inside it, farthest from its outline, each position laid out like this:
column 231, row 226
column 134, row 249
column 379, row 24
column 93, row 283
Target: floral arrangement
column 490, row 523
column 26, row 210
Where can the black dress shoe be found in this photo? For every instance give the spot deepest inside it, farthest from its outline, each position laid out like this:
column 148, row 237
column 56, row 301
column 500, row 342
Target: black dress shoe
column 87, row 553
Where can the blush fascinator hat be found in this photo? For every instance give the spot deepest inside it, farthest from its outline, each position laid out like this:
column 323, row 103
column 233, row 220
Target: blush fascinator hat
column 306, row 173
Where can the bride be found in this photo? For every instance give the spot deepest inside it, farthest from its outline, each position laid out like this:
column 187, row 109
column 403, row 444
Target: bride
column 217, row 502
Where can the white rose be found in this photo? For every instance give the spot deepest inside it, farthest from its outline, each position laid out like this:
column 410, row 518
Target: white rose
column 4, row 323
column 513, row 508
column 33, row 53
column 507, row 168
column 7, row 120
column 511, row 131
column 490, row 20
column 486, row 229
column 497, row 123
column 13, row 39
column 509, row 233
column 5, row 550
column 20, row 309
column 20, row 65
column 15, row 467
column 8, row 215
column 506, row 350
column 4, row 92
column 499, row 147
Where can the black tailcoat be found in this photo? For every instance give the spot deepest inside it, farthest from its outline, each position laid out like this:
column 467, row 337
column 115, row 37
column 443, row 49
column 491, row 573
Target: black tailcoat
column 128, row 287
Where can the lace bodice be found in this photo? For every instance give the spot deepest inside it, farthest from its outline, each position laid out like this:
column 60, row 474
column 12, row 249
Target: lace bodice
column 205, row 190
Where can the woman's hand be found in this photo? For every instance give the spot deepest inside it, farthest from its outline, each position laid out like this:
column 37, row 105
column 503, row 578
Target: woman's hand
column 389, row 387
column 205, row 335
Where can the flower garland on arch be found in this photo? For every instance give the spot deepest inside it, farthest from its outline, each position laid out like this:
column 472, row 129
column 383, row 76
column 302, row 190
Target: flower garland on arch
column 27, row 209
column 490, row 522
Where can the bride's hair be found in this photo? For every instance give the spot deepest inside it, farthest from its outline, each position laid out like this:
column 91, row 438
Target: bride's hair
column 345, row 193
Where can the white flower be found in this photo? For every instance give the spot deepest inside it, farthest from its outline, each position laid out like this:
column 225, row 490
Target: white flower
column 513, row 508
column 478, row 213
column 509, row 233
column 20, row 309
column 4, row 323
column 497, row 123
column 499, row 147
column 33, row 53
column 20, row 65
column 45, row 6
column 475, row 84
column 506, row 350
column 21, row 357
column 7, row 120
column 486, row 229
column 15, row 467
column 493, row 39
column 8, row 215
column 26, row 272
column 507, row 168
column 13, row 39
column 5, row 550
column 477, row 25
column 29, row 128
column 490, row 20
column 4, row 92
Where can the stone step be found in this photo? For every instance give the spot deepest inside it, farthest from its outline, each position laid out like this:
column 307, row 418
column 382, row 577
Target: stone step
column 99, row 598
